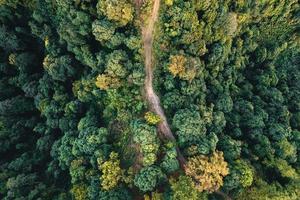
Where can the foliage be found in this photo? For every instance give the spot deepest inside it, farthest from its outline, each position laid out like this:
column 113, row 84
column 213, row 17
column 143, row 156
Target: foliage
column 177, row 63
column 283, row 168
column 72, row 101
column 111, row 172
column 263, row 190
column 184, row 188
column 246, row 173
column 103, row 30
column 169, row 162
column 207, row 172
column 120, row 11
column 145, row 135
column 79, row 192
column 152, row 118
column 154, row 196
column 183, row 67
column 190, row 126
column 241, row 175
column 105, row 82
column 59, row 68
column 149, row 178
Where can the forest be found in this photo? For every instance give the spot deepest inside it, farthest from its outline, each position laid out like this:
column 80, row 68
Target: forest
column 149, row 100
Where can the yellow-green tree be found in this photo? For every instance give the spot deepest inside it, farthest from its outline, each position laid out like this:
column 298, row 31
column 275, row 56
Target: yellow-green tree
column 177, row 63
column 154, row 196
column 152, row 118
column 169, row 2
column 105, row 82
column 283, row 168
column 119, row 11
column 262, row 190
column 79, row 192
column 184, row 188
column 246, row 173
column 207, row 171
column 183, row 67
column 111, row 172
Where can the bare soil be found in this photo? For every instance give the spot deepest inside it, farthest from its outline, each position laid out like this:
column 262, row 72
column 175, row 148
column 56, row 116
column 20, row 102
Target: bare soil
column 153, row 100
column 151, row 97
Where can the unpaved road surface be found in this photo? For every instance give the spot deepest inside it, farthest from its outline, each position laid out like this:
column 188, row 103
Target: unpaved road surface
column 151, row 97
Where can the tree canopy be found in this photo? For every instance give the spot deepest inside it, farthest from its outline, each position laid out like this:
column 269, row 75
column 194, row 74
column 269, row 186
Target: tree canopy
column 75, row 122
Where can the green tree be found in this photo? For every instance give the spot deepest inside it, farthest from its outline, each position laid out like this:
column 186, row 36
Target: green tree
column 184, row 188
column 149, row 178
column 146, row 137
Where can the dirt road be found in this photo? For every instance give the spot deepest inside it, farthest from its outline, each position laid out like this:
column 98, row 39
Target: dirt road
column 151, row 97
column 164, row 130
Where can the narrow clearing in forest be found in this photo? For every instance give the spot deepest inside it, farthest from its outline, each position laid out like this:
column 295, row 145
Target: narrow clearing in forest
column 151, row 97
column 164, row 130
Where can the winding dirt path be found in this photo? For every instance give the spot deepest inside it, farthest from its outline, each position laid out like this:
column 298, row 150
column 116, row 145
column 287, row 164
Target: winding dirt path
column 164, row 130
column 151, row 97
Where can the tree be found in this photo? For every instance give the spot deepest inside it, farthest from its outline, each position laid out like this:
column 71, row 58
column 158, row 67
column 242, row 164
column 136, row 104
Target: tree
column 207, row 172
column 241, row 176
column 59, row 67
column 185, row 68
column 154, row 196
column 16, row 105
column 103, row 31
column 79, row 192
column 105, row 82
column 111, row 172
column 9, row 41
column 72, row 106
column 119, row 193
column 177, row 64
column 190, row 126
column 84, row 89
column 119, row 11
column 152, row 118
column 146, row 137
column 148, row 178
column 263, row 190
column 169, row 162
column 231, row 148
column 184, row 188
column 283, row 168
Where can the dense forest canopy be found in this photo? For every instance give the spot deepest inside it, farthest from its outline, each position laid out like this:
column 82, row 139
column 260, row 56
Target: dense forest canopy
column 76, row 122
